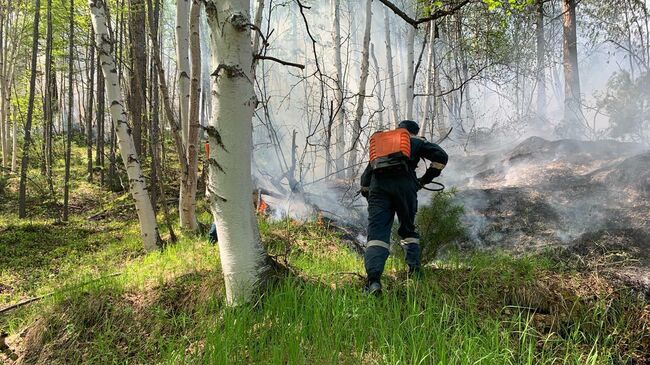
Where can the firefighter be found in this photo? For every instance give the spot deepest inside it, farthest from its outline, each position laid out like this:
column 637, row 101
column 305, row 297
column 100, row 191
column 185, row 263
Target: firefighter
column 394, row 190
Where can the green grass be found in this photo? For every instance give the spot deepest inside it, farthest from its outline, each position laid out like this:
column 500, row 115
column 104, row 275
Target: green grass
column 169, row 306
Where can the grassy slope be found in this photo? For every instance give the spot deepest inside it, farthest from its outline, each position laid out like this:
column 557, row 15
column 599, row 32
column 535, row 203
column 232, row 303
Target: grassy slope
column 168, row 307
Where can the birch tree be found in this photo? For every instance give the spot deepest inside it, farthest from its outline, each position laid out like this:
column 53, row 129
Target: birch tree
column 27, row 141
column 230, row 185
column 183, row 62
column 68, row 140
column 189, row 181
column 356, row 126
column 137, row 183
column 572, row 103
column 339, row 124
column 391, row 72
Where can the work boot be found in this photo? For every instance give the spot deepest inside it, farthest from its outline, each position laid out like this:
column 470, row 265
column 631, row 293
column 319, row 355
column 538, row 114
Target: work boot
column 415, row 272
column 372, row 288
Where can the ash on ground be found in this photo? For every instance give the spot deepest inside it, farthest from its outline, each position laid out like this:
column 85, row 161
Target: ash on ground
column 589, row 199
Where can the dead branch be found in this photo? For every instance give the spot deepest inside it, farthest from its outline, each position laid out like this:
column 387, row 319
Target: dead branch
column 286, row 63
column 415, row 22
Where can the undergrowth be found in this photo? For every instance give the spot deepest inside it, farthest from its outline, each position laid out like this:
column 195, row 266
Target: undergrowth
column 112, row 303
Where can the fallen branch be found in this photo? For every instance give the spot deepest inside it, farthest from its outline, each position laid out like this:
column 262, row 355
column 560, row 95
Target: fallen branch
column 24, row 302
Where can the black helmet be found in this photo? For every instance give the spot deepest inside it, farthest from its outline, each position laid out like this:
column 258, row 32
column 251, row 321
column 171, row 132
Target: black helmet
column 410, row 126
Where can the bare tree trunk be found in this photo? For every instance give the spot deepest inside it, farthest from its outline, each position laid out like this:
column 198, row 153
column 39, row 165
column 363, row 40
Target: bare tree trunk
column 572, row 103
column 243, row 259
column 356, row 126
column 22, row 213
column 183, row 63
column 137, row 184
column 89, row 109
column 187, row 199
column 391, row 72
column 339, row 125
column 408, row 91
column 428, row 112
column 382, row 122
column 3, row 103
column 137, row 102
column 541, row 52
column 68, row 140
column 47, row 103
column 101, row 128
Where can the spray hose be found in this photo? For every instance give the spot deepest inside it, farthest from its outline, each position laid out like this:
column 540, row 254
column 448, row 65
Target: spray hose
column 440, row 187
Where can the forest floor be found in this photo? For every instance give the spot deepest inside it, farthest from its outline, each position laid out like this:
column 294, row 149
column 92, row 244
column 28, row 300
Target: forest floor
column 112, row 303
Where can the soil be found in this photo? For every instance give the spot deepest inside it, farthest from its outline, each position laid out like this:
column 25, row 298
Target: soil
column 589, row 199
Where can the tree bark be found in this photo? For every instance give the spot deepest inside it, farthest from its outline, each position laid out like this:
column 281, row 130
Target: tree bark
column 101, row 128
column 183, row 63
column 380, row 98
column 230, row 187
column 187, row 199
column 68, row 139
column 50, row 84
column 89, row 109
column 365, row 59
column 339, row 124
column 22, row 213
column 572, row 103
column 541, row 53
column 137, row 184
column 408, row 91
column 391, row 72
column 137, row 103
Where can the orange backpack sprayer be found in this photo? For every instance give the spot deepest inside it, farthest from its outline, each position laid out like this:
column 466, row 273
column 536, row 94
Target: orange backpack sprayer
column 390, row 148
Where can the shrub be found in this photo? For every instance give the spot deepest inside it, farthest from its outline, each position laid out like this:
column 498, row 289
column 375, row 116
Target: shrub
column 439, row 223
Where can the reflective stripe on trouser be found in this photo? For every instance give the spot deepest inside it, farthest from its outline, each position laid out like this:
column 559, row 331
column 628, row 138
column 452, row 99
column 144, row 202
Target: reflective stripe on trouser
column 390, row 194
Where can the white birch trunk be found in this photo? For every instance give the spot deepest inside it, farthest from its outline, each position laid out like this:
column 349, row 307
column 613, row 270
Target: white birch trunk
column 137, row 182
column 183, row 63
column 339, row 124
column 259, row 10
column 408, row 91
column 391, row 72
column 356, row 126
column 14, row 146
column 380, row 98
column 428, row 114
column 187, row 198
column 230, row 186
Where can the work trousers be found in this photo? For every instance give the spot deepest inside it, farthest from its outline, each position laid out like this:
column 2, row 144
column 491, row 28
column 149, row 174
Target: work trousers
column 391, row 193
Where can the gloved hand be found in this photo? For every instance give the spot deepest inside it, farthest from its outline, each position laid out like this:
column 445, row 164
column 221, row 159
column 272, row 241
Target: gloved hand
column 365, row 191
column 429, row 175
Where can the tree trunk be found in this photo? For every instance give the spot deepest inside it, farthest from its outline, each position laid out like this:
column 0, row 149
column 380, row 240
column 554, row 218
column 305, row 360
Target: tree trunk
column 47, row 103
column 187, row 199
column 339, row 124
column 101, row 128
column 22, row 213
column 572, row 103
column 89, row 109
column 183, row 63
column 428, row 113
column 356, row 126
column 137, row 184
column 391, row 72
column 380, row 98
column 3, row 104
column 408, row 91
column 541, row 52
column 138, row 53
column 230, row 187
column 68, row 139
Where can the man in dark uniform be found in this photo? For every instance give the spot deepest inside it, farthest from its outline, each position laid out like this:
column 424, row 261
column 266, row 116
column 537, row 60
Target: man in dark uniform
column 394, row 190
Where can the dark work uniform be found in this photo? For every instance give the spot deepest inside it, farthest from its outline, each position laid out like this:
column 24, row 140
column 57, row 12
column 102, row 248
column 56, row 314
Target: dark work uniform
column 394, row 190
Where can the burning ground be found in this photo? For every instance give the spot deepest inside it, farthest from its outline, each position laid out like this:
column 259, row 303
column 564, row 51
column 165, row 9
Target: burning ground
column 590, row 199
